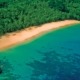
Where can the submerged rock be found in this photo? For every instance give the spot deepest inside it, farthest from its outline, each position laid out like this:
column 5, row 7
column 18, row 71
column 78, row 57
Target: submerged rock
column 0, row 70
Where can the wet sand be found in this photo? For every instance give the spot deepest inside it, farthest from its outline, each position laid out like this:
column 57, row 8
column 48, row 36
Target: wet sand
column 26, row 34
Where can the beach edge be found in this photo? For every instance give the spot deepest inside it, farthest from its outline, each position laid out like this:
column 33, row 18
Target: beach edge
column 15, row 38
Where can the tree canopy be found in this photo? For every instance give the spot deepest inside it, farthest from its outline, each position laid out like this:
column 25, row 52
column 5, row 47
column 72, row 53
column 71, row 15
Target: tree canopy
column 18, row 14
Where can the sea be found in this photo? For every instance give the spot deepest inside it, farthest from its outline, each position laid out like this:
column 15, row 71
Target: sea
column 51, row 56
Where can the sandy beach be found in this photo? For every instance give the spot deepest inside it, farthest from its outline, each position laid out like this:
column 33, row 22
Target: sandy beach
column 17, row 37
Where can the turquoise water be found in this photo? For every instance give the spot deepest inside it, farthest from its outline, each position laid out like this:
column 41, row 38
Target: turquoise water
column 53, row 56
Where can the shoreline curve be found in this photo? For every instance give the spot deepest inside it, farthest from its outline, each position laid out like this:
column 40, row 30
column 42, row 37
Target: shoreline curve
column 11, row 39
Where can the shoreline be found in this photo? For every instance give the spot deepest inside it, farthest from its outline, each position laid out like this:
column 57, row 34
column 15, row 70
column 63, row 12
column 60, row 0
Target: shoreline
column 14, row 38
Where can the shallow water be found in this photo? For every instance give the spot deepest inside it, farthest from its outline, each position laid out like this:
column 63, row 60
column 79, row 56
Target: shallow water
column 53, row 56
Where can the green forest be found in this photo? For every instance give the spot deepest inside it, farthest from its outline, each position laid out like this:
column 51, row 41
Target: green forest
column 18, row 14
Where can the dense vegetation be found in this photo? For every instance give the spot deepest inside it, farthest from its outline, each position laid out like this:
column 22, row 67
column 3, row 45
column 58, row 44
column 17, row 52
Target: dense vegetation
column 18, row 14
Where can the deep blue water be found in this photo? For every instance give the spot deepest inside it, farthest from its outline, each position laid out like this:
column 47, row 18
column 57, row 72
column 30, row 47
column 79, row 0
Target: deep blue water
column 53, row 56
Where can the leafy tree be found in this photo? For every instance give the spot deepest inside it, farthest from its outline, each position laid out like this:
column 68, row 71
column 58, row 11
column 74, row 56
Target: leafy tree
column 18, row 14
